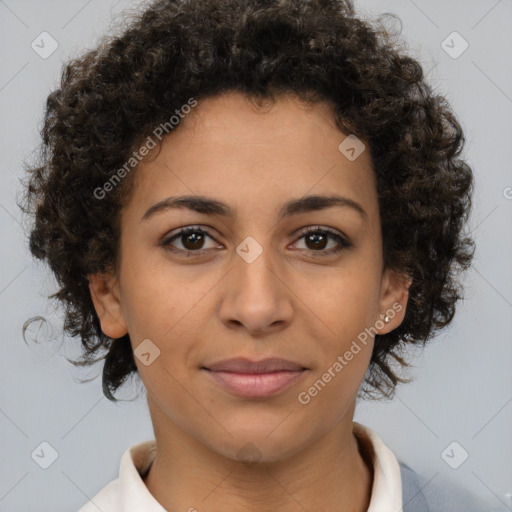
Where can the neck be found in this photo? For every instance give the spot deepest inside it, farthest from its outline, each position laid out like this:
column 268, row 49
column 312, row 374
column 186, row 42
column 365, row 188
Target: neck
column 334, row 473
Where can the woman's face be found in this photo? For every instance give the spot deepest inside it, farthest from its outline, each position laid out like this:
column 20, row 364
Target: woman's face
column 251, row 283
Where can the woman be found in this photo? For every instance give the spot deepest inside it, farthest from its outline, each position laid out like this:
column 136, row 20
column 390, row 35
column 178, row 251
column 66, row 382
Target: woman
column 256, row 207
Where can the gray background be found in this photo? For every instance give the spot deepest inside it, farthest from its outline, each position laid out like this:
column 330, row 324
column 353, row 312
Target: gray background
column 463, row 381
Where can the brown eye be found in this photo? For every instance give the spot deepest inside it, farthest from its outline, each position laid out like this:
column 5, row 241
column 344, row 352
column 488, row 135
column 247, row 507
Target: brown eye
column 192, row 240
column 317, row 238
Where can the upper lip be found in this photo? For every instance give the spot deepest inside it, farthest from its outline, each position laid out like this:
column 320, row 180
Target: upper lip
column 244, row 365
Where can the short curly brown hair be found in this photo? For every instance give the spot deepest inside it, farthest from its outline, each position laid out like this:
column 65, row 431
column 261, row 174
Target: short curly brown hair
column 114, row 95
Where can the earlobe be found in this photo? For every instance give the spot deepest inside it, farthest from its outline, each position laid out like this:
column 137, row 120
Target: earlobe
column 393, row 301
column 106, row 300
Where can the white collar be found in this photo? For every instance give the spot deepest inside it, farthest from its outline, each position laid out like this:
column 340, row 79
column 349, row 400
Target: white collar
column 387, row 480
column 129, row 493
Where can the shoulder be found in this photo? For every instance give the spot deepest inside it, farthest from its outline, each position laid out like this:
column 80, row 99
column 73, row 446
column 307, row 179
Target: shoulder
column 129, row 488
column 106, row 499
column 435, row 494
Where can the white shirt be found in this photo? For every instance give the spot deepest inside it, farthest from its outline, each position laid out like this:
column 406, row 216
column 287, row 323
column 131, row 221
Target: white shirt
column 128, row 492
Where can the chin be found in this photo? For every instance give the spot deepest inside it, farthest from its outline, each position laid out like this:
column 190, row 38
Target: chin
column 252, row 445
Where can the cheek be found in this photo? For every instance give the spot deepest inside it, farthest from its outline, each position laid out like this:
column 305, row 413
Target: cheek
column 329, row 394
column 155, row 293
column 344, row 344
column 165, row 313
column 347, row 302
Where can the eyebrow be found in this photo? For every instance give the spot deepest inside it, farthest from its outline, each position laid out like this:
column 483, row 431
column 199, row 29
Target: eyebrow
column 210, row 206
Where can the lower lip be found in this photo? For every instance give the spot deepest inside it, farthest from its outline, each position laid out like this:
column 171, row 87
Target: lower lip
column 256, row 384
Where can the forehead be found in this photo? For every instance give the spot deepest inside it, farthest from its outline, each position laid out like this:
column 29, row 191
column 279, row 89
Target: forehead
column 246, row 153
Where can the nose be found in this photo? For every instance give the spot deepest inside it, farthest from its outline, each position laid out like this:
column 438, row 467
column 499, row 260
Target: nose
column 256, row 296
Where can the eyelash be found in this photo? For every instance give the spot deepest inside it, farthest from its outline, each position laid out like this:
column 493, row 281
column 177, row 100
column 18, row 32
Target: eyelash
column 343, row 242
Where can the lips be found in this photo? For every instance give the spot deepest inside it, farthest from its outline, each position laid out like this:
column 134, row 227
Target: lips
column 242, row 365
column 253, row 379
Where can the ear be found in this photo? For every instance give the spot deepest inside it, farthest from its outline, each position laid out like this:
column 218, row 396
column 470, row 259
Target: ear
column 105, row 295
column 393, row 299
